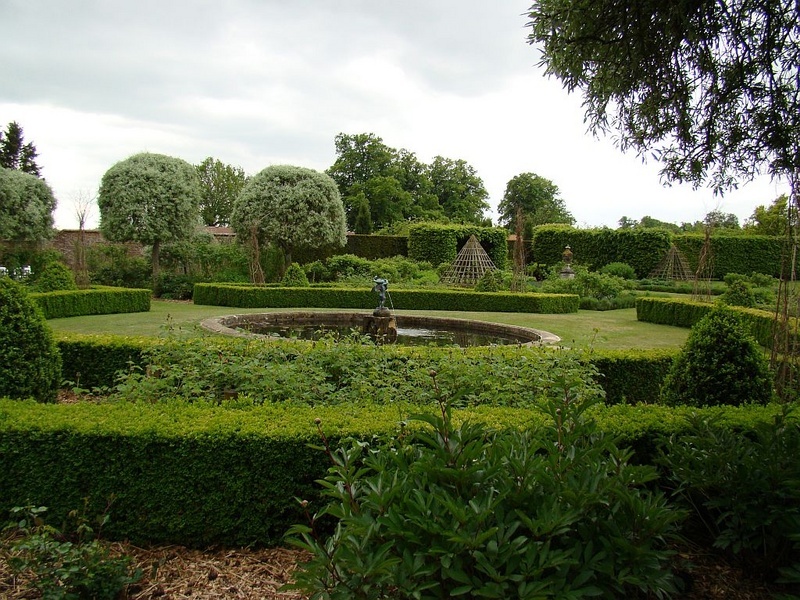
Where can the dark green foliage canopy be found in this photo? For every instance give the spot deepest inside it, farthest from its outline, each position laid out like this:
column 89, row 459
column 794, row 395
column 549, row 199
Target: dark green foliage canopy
column 30, row 364
column 537, row 198
column 709, row 87
column 220, row 184
column 15, row 153
column 398, row 187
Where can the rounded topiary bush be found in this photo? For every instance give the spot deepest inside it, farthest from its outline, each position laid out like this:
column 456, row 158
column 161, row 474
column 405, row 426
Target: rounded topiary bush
column 721, row 363
column 54, row 277
column 30, row 364
column 619, row 269
column 739, row 293
column 295, row 276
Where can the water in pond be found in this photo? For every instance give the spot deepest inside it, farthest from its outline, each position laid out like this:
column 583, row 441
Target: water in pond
column 406, row 336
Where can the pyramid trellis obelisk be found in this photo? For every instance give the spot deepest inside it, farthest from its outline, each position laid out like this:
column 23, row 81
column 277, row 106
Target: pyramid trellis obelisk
column 469, row 266
column 673, row 266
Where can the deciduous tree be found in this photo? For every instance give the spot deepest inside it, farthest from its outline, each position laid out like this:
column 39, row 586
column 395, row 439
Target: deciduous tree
column 710, row 88
column 151, row 199
column 460, row 191
column 538, row 200
column 773, row 219
column 220, row 184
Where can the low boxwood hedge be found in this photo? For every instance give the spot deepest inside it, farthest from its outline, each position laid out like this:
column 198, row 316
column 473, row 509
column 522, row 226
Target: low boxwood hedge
column 314, row 297
column 95, row 301
column 685, row 313
column 203, row 475
column 91, row 361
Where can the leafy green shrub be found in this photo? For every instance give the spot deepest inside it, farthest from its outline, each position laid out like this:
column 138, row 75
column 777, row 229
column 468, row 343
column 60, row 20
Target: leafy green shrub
column 451, row 509
column 761, row 280
column 54, row 277
column 110, row 264
column 720, row 363
column 743, row 490
column 619, row 269
column 30, row 364
column 63, row 565
column 343, row 266
column 490, row 281
column 586, row 284
column 739, row 293
column 295, row 276
column 317, row 272
column 172, row 286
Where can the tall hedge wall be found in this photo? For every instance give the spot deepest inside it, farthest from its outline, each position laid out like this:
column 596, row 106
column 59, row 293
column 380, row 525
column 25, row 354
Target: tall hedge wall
column 642, row 249
column 743, row 254
column 201, row 476
column 244, row 296
column 437, row 244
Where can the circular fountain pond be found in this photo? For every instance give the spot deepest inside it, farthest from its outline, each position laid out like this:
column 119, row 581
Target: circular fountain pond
column 411, row 330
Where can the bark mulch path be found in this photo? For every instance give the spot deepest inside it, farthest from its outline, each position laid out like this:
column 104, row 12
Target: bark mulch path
column 177, row 572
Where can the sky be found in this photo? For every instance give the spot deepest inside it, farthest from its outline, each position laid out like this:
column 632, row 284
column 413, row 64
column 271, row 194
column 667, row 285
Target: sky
column 255, row 83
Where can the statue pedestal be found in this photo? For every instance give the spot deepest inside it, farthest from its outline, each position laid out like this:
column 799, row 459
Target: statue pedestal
column 381, row 326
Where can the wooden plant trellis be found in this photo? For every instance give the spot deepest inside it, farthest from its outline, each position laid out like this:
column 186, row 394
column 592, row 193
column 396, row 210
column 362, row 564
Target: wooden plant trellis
column 705, row 268
column 673, row 267
column 469, row 266
column 518, row 281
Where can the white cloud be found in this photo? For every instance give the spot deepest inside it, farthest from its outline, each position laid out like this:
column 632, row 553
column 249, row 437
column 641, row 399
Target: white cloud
column 259, row 82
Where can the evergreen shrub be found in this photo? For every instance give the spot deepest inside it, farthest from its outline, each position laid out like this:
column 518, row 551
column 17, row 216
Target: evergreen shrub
column 412, row 299
column 55, row 276
column 30, row 364
column 619, row 269
column 294, row 276
column 95, row 301
column 200, row 475
column 721, row 363
column 742, row 488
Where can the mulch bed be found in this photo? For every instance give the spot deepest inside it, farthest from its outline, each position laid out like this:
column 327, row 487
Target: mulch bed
column 177, row 572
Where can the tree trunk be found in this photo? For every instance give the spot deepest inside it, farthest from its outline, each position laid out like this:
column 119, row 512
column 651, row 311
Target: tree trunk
column 156, row 263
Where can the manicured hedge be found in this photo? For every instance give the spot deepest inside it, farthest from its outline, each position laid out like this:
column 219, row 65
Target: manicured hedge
column 91, row 361
column 685, row 313
column 273, row 297
column 742, row 254
column 437, row 244
column 372, row 247
column 95, row 301
column 642, row 249
column 632, row 376
column 200, row 475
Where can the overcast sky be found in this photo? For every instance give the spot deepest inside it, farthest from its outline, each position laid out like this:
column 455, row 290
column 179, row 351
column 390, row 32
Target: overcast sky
column 261, row 82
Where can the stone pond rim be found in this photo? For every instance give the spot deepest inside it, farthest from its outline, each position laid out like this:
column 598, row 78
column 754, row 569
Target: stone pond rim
column 227, row 325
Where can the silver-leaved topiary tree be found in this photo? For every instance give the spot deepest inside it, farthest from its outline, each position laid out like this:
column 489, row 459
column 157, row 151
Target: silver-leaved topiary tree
column 151, row 199
column 291, row 208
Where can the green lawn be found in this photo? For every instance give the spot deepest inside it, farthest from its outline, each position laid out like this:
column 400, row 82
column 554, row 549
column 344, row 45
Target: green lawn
column 608, row 329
